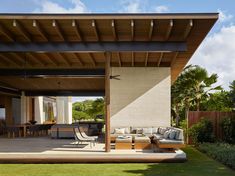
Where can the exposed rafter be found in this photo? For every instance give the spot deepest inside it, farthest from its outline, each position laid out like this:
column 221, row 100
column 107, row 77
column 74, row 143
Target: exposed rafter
column 22, row 59
column 63, row 55
column 146, row 59
column 92, row 59
column 6, row 33
column 10, row 60
column 188, row 29
column 22, row 30
column 174, row 58
column 114, row 30
column 4, row 61
column 132, row 29
column 93, row 24
column 151, row 29
column 58, row 30
column 78, row 58
column 160, row 59
column 132, row 59
column 40, row 30
column 169, row 29
column 119, row 59
column 51, row 58
column 77, row 30
column 36, row 59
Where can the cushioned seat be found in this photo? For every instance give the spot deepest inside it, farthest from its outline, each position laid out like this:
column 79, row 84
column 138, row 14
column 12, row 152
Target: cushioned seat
column 157, row 136
column 126, row 139
column 142, row 139
column 170, row 141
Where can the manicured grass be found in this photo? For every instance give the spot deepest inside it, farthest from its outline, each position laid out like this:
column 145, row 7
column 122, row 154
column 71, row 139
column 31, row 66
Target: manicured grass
column 197, row 164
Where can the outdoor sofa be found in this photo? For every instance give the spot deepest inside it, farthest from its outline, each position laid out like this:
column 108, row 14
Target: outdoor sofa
column 163, row 137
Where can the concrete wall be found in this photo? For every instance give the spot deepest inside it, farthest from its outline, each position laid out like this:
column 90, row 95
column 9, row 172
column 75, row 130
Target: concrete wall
column 141, row 98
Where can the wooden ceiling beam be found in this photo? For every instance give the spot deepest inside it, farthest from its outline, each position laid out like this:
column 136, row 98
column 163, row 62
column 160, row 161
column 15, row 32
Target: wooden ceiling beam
column 174, row 58
column 160, row 59
column 6, row 62
column 93, row 24
column 40, row 30
column 151, row 30
column 51, row 58
column 78, row 58
column 119, row 59
column 132, row 29
column 169, row 29
column 114, row 30
column 22, row 57
column 92, row 59
column 36, row 59
column 63, row 55
column 146, row 59
column 11, row 60
column 132, row 59
column 6, row 33
column 77, row 30
column 22, row 30
column 58, row 30
column 188, row 29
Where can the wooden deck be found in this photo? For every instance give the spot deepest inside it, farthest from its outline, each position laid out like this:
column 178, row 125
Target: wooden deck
column 46, row 150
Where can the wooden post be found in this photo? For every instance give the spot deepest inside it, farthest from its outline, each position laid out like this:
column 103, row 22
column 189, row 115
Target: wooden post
column 107, row 102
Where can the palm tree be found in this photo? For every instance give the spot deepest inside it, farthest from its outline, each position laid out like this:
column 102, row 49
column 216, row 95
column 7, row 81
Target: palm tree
column 200, row 84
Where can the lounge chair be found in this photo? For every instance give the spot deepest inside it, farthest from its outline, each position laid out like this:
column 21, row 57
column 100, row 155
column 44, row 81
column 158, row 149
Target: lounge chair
column 88, row 137
column 80, row 138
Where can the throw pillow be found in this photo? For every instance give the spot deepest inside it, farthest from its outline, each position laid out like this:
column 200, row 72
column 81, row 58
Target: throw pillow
column 119, row 130
column 166, row 134
column 147, row 130
column 172, row 134
column 155, row 130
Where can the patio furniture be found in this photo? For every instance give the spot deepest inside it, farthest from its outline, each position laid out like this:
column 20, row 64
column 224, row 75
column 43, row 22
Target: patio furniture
column 88, row 137
column 169, row 138
column 63, row 131
column 79, row 138
column 123, row 142
column 13, row 131
column 142, row 142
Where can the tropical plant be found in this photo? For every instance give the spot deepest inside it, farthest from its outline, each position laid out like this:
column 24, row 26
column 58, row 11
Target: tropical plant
column 232, row 93
column 228, row 129
column 201, row 131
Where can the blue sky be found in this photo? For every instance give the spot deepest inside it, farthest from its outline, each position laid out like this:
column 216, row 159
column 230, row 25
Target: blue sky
column 216, row 53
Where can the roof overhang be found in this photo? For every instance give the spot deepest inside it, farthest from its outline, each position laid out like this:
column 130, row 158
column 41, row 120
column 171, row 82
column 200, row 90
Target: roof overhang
column 80, row 41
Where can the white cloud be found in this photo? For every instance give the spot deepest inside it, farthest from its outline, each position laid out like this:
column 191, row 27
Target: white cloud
column 217, row 55
column 224, row 17
column 161, row 9
column 48, row 6
column 134, row 6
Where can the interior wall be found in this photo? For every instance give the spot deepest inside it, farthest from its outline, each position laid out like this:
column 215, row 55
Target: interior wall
column 141, row 98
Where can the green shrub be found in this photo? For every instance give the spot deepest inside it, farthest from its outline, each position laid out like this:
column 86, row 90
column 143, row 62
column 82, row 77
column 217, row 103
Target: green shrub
column 222, row 152
column 228, row 129
column 202, row 131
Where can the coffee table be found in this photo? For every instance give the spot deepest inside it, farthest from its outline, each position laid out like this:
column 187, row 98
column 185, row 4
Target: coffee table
column 142, row 142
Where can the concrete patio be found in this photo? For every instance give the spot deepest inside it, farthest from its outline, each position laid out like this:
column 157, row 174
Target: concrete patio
column 47, row 150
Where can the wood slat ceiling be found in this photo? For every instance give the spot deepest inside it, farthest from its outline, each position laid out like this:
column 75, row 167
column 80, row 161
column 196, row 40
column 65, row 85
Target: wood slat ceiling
column 191, row 28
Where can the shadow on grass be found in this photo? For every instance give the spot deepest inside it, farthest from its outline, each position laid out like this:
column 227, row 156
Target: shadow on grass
column 197, row 164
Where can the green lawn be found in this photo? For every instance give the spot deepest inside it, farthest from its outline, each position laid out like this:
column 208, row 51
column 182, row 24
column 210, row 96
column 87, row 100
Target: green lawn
column 198, row 164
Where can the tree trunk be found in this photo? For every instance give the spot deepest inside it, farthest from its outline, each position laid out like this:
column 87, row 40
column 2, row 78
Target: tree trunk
column 198, row 104
column 177, row 117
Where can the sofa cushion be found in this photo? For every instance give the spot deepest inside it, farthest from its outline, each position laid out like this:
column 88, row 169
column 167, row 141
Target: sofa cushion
column 154, row 130
column 162, row 130
column 170, row 141
column 172, row 134
column 157, row 136
column 166, row 134
column 147, row 130
column 119, row 130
